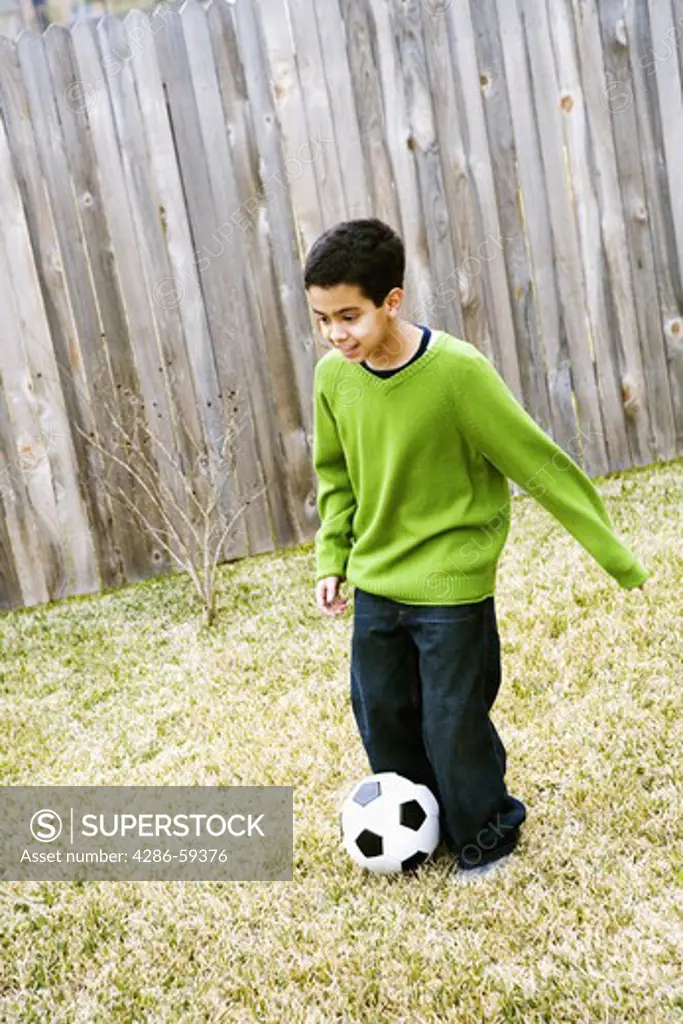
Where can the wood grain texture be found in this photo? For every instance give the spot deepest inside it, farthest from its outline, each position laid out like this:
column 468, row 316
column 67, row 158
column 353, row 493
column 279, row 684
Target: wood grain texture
column 617, row 97
column 163, row 179
column 565, row 232
column 277, row 411
column 512, row 244
column 586, row 150
column 422, row 143
column 533, row 201
column 286, row 258
column 129, row 557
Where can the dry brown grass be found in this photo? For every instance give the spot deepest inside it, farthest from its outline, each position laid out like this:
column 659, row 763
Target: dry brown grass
column 583, row 924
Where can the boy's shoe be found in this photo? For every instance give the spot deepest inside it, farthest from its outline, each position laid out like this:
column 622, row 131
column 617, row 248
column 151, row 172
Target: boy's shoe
column 504, row 852
column 465, row 875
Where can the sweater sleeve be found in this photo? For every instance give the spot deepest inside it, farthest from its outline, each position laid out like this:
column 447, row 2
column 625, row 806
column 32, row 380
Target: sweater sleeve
column 336, row 501
column 504, row 433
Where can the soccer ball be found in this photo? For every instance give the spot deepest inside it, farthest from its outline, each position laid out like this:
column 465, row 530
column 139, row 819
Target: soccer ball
column 389, row 824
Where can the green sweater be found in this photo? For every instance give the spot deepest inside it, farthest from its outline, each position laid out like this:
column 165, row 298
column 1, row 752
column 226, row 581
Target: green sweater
column 412, row 471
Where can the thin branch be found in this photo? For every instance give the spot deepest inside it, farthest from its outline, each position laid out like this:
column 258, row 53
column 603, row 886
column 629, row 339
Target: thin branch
column 143, row 484
column 220, row 469
column 226, row 478
column 158, row 482
column 178, row 469
column 157, row 531
column 186, row 567
column 228, row 527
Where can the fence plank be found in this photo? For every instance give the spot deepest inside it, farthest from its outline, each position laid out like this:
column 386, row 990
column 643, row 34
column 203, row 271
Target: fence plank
column 463, row 209
column 425, row 151
column 227, row 313
column 237, row 356
column 132, row 354
column 565, row 236
column 496, row 287
column 117, row 273
column 25, row 136
column 287, row 89
column 22, row 320
column 627, row 237
column 419, row 301
column 667, row 80
column 346, row 128
column 12, row 539
column 77, row 570
column 360, row 31
column 282, row 232
column 129, row 557
column 329, row 157
column 59, row 375
column 637, row 31
column 622, row 356
column 677, row 34
column 581, row 154
column 512, row 244
column 120, row 256
column 277, row 410
column 533, row 200
column 187, row 354
column 25, row 556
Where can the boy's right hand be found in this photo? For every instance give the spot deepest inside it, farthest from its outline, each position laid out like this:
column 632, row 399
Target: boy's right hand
column 327, row 596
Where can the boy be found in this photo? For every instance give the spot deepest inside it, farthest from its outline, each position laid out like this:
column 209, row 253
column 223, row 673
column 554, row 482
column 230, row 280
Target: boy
column 415, row 436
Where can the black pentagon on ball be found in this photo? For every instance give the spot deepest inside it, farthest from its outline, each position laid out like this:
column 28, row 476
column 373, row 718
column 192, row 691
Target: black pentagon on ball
column 370, row 844
column 411, row 863
column 412, row 815
column 368, row 792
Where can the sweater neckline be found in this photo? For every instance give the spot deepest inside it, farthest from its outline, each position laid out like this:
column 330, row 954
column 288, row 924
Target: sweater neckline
column 404, row 373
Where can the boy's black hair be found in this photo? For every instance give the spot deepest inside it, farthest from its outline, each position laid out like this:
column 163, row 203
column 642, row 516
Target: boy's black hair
column 367, row 253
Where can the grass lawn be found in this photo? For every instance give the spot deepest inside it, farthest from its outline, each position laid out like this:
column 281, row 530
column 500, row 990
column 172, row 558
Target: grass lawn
column 584, row 923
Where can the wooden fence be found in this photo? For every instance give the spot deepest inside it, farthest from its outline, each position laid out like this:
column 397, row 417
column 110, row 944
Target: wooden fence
column 162, row 177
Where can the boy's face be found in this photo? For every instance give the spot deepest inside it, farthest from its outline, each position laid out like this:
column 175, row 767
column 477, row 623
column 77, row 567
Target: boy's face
column 353, row 323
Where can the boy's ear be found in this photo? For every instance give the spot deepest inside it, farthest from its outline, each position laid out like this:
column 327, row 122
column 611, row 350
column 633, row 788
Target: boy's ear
column 393, row 301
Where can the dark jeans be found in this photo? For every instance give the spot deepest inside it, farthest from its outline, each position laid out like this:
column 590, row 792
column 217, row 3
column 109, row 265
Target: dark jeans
column 423, row 680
